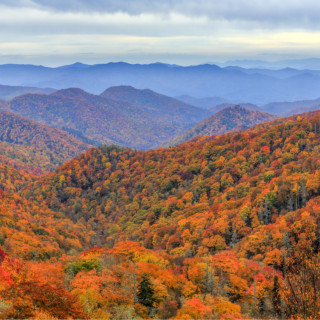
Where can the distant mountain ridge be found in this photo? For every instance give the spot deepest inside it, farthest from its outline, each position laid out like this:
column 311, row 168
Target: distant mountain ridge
column 206, row 103
column 294, row 107
column 311, row 63
column 9, row 92
column 234, row 118
column 233, row 84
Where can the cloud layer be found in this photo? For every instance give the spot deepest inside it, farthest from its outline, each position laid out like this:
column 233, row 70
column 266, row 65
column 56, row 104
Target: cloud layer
column 163, row 29
column 298, row 13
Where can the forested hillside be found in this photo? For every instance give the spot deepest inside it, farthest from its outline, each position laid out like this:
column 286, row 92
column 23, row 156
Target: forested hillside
column 34, row 147
column 234, row 118
column 219, row 227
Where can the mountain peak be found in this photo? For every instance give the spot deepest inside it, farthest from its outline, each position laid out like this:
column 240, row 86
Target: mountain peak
column 75, row 65
column 231, row 118
column 71, row 93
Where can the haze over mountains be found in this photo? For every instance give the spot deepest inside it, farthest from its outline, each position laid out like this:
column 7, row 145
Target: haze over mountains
column 207, row 102
column 311, row 64
column 9, row 92
column 281, row 108
column 294, row 107
column 236, row 84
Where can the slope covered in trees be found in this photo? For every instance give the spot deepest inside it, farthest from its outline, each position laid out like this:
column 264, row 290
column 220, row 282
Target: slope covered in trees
column 100, row 120
column 31, row 146
column 33, row 232
column 232, row 118
column 11, row 179
column 218, row 227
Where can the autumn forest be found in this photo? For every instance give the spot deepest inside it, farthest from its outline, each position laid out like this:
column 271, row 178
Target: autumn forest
column 223, row 226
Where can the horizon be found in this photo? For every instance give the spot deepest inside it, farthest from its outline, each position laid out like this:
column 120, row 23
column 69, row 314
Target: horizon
column 241, row 63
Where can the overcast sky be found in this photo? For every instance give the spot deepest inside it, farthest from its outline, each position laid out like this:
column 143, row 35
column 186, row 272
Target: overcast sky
column 56, row 32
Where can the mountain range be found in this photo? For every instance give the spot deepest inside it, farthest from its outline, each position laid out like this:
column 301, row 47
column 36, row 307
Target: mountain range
column 140, row 118
column 289, row 108
column 302, row 64
column 281, row 108
column 257, row 86
column 96, row 119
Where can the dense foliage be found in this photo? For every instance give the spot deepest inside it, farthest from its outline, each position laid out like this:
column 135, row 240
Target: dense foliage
column 34, row 232
column 13, row 180
column 219, row 227
column 34, row 147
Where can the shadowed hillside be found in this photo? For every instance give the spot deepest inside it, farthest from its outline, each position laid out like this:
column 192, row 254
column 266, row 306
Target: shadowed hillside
column 157, row 105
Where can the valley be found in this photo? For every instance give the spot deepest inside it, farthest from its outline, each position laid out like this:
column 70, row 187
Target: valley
column 194, row 221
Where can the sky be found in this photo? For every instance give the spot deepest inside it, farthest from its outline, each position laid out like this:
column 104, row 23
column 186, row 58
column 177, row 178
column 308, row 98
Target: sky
column 57, row 32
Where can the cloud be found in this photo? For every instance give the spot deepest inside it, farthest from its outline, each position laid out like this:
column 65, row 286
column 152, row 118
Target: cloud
column 270, row 13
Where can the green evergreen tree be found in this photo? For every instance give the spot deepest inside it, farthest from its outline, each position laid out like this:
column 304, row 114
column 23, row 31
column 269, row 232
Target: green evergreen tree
column 146, row 292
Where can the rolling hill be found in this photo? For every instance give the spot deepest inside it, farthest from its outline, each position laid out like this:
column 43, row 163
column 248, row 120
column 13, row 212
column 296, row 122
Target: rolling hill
column 234, row 118
column 100, row 120
column 157, row 105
